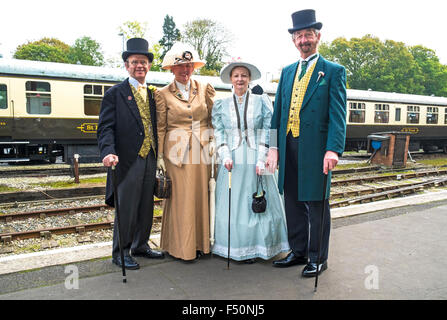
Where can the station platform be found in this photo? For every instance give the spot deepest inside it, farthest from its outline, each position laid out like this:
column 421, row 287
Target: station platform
column 393, row 249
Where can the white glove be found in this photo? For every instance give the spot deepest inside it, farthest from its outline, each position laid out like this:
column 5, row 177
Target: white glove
column 161, row 163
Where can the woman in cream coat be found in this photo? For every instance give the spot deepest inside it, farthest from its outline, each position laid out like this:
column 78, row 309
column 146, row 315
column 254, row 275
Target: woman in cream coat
column 184, row 135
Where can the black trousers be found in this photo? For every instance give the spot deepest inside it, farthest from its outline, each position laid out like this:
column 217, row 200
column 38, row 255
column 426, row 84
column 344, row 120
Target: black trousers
column 303, row 217
column 136, row 205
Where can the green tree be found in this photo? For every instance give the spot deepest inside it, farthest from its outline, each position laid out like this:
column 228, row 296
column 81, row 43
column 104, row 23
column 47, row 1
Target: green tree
column 86, row 51
column 389, row 66
column 433, row 72
column 133, row 29
column 170, row 35
column 210, row 39
column 46, row 49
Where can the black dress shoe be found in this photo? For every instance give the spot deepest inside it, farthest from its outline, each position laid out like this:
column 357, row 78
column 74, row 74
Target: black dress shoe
column 149, row 253
column 129, row 263
column 310, row 270
column 290, row 260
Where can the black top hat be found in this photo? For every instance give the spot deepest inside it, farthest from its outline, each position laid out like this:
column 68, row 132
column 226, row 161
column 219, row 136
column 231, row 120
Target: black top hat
column 304, row 19
column 138, row 46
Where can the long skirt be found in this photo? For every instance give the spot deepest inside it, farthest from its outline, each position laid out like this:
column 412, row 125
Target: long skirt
column 185, row 224
column 252, row 235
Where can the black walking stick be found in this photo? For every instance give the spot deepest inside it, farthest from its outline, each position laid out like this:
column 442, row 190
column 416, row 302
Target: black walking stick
column 321, row 229
column 229, row 215
column 120, row 240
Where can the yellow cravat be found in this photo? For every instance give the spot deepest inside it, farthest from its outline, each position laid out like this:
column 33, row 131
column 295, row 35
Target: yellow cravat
column 142, row 90
column 298, row 92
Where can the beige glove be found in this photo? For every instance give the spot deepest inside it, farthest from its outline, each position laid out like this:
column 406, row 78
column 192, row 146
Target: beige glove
column 212, row 147
column 161, row 163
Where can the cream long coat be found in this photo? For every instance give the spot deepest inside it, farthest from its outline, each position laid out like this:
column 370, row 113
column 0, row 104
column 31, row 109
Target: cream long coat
column 184, row 129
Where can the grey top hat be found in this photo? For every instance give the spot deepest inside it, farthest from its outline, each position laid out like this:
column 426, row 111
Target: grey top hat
column 138, row 46
column 304, row 19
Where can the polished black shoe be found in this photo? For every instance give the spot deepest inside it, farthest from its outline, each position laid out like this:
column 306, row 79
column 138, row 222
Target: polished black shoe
column 310, row 270
column 129, row 263
column 149, row 253
column 290, row 260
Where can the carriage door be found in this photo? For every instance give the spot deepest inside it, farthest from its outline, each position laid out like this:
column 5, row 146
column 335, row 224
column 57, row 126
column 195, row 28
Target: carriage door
column 5, row 110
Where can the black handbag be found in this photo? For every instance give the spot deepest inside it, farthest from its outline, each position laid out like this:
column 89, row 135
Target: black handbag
column 259, row 203
column 163, row 185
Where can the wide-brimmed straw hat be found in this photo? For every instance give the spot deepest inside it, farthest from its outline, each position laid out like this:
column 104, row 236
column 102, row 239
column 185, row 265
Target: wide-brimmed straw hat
column 181, row 53
column 226, row 71
column 137, row 46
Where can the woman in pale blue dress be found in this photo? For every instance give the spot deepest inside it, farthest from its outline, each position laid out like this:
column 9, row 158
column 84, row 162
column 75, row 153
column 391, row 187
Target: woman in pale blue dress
column 241, row 129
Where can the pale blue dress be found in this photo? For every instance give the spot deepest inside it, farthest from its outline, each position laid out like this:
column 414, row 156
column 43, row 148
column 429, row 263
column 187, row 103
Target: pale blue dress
column 252, row 235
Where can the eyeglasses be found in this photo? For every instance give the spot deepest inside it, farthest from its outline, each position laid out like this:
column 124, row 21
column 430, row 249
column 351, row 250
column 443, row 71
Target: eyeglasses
column 137, row 62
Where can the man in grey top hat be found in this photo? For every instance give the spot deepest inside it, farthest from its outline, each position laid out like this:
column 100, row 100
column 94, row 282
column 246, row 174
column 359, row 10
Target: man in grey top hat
column 310, row 119
column 127, row 139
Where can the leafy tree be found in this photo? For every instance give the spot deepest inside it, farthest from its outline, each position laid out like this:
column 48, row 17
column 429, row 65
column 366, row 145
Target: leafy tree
column 86, row 51
column 210, row 39
column 133, row 29
column 156, row 63
column 388, row 66
column 170, row 35
column 46, row 49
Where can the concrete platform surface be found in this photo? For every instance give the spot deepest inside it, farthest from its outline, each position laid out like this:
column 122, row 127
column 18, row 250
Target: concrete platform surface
column 388, row 254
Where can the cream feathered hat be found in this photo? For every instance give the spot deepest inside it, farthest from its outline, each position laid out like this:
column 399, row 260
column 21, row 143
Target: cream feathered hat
column 181, row 53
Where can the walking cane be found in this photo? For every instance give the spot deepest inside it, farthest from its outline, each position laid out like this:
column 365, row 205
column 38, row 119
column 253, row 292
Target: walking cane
column 321, row 229
column 229, row 215
column 120, row 240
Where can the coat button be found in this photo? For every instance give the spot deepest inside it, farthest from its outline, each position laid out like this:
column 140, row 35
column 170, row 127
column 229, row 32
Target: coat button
column 189, row 106
column 190, row 117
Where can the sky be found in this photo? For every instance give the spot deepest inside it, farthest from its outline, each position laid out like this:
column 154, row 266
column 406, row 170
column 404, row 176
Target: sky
column 259, row 28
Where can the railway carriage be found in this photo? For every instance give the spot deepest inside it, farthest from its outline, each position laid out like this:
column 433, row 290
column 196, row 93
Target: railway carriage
column 425, row 117
column 51, row 109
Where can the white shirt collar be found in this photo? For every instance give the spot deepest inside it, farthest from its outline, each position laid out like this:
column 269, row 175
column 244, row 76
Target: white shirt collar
column 134, row 82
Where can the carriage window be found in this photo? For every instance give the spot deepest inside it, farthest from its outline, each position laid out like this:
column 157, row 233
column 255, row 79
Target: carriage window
column 445, row 116
column 3, row 97
column 382, row 113
column 432, row 115
column 38, row 97
column 397, row 115
column 356, row 112
column 92, row 98
column 413, row 114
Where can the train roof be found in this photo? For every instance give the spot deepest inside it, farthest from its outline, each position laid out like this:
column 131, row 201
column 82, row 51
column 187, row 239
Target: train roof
column 92, row 73
column 392, row 97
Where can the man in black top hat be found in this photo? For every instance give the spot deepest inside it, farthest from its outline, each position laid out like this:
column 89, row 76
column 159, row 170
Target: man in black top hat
column 127, row 139
column 310, row 119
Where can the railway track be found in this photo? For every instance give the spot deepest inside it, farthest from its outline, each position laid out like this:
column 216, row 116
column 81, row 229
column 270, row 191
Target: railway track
column 365, row 192
column 48, row 172
column 7, row 237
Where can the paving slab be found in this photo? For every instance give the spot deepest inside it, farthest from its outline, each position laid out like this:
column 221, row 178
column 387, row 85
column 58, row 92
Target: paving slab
column 391, row 254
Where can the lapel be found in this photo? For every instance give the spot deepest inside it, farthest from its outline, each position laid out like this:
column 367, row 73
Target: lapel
column 178, row 94
column 193, row 91
column 314, row 81
column 288, row 85
column 128, row 97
